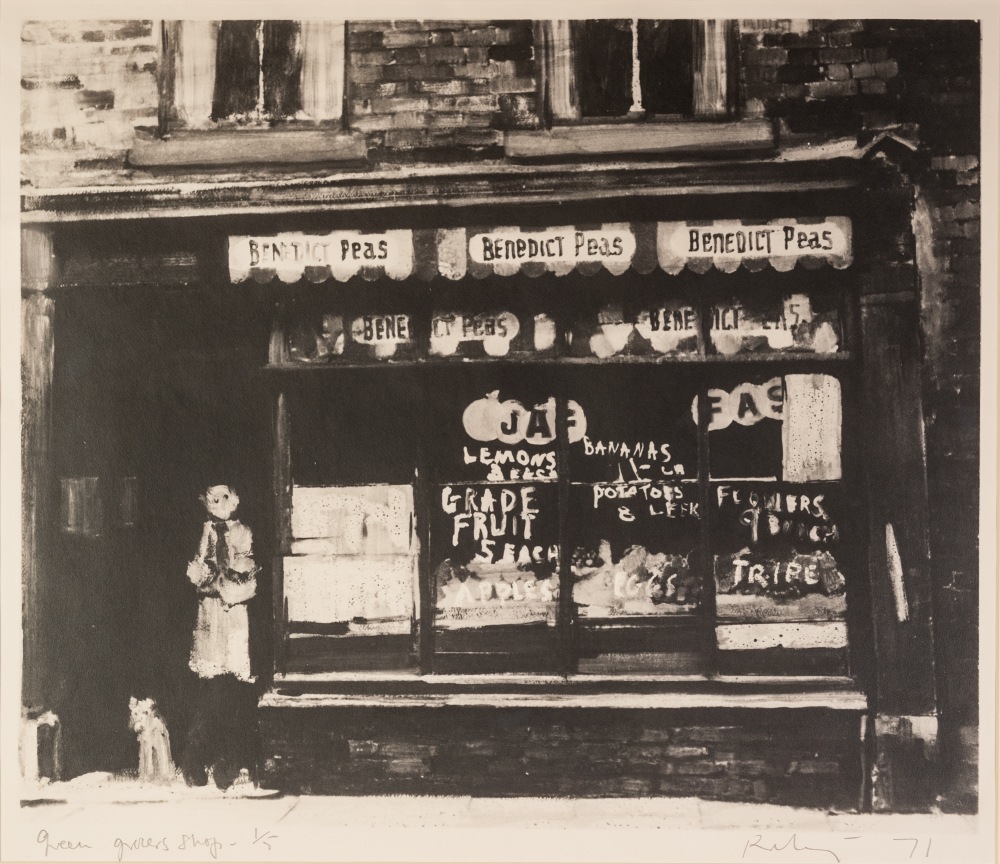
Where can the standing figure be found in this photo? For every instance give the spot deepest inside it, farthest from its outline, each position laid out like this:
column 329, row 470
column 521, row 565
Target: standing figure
column 224, row 573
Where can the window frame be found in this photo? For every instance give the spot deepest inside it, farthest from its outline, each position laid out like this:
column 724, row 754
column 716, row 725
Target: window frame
column 188, row 51
column 715, row 68
column 186, row 136
column 565, row 135
column 843, row 365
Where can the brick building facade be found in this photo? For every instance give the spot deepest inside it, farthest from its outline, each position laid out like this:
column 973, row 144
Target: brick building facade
column 439, row 114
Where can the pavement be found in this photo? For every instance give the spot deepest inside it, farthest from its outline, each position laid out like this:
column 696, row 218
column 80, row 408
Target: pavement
column 124, row 820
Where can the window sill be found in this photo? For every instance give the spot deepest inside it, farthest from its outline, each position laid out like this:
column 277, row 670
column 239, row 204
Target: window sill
column 827, row 700
column 218, row 148
column 797, row 359
column 412, row 690
column 745, row 136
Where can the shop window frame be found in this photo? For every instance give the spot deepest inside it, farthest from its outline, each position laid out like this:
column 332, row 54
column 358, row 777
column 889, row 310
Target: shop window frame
column 843, row 364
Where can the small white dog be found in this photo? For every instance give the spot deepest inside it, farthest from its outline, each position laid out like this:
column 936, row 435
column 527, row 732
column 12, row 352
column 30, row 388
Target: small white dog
column 155, row 762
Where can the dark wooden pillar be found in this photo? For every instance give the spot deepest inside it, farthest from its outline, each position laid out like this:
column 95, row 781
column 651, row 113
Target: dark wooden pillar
column 37, row 472
column 905, row 709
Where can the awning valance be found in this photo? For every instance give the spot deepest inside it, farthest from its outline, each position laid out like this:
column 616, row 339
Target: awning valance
column 455, row 253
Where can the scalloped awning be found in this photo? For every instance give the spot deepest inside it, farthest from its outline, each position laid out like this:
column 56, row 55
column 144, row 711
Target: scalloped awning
column 505, row 251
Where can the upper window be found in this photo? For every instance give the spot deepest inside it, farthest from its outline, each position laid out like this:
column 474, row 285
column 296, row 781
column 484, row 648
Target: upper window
column 635, row 69
column 252, row 72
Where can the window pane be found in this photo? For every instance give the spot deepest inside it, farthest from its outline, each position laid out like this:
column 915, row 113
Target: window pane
column 80, row 507
column 780, row 428
column 604, row 73
column 775, row 549
column 636, row 558
column 647, row 327
column 779, row 554
column 350, row 584
column 778, row 525
column 495, row 552
column 382, row 335
column 354, row 546
column 777, row 322
column 633, row 426
column 282, row 69
column 314, row 337
column 494, row 520
column 744, row 439
column 351, row 578
column 494, row 577
column 492, row 427
column 665, row 66
column 634, row 521
column 477, row 333
column 237, row 69
column 318, row 333
column 343, row 436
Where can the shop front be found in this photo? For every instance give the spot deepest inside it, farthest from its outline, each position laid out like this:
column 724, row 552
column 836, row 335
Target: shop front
column 569, row 507
column 552, row 472
column 573, row 498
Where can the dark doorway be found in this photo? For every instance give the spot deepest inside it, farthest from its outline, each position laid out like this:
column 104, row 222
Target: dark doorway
column 157, row 394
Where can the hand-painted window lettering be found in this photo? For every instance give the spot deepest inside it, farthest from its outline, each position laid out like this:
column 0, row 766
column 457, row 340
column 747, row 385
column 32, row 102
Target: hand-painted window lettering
column 489, row 419
column 640, row 582
column 494, row 330
column 388, row 329
column 763, row 241
column 550, row 247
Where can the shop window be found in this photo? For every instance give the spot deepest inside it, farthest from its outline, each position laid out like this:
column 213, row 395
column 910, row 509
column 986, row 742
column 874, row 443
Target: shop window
column 318, row 333
column 313, row 333
column 635, row 523
column 470, row 334
column 350, row 572
column 253, row 72
column 668, row 500
column 778, row 520
column 495, row 522
column 638, row 68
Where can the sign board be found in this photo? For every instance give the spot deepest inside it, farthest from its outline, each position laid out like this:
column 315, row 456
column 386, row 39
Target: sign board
column 729, row 243
column 340, row 254
column 504, row 250
column 566, row 246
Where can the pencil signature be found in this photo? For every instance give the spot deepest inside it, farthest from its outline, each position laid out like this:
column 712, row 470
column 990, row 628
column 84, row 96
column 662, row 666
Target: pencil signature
column 791, row 844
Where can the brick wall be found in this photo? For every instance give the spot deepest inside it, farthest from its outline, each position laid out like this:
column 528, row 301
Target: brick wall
column 942, row 96
column 418, row 87
column 819, row 76
column 947, row 215
column 421, row 89
column 84, row 86
column 807, row 758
